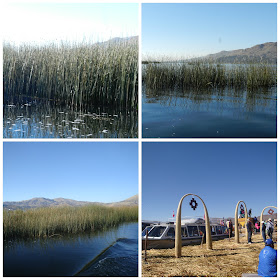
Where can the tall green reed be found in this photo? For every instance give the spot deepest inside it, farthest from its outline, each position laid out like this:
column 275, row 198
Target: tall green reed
column 203, row 74
column 43, row 222
column 76, row 74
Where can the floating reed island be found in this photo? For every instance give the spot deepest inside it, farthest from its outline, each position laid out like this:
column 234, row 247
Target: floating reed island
column 74, row 74
column 227, row 259
column 205, row 74
column 46, row 222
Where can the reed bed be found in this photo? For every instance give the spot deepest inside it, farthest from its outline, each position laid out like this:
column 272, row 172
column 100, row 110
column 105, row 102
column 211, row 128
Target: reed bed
column 43, row 222
column 227, row 259
column 203, row 74
column 75, row 74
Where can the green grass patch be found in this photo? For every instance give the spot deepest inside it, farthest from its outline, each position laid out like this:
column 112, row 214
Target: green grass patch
column 75, row 74
column 44, row 222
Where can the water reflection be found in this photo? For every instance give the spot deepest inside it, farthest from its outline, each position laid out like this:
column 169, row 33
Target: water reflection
column 68, row 255
column 44, row 119
column 208, row 113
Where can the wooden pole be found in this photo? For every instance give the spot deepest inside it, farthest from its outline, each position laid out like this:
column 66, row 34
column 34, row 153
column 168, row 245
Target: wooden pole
column 146, row 241
column 202, row 240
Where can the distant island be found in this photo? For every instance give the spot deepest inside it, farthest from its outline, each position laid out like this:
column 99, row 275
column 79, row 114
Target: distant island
column 39, row 202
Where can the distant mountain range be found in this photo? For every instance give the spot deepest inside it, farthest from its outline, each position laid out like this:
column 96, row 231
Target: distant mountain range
column 119, row 40
column 266, row 52
column 39, row 202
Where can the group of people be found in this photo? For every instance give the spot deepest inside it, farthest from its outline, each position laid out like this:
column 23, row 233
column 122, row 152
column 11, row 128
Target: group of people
column 268, row 255
column 266, row 228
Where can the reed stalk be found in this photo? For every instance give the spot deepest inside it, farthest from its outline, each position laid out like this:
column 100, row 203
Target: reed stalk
column 203, row 74
column 75, row 74
column 43, row 222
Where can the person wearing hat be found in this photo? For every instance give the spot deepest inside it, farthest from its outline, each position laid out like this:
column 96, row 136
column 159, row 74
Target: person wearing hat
column 268, row 260
column 263, row 231
column 269, row 228
column 249, row 227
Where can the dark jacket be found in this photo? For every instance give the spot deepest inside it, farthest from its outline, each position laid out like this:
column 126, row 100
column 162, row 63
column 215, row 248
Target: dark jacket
column 267, row 262
column 249, row 226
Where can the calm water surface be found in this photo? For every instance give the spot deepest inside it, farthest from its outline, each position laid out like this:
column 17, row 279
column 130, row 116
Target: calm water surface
column 82, row 255
column 39, row 119
column 227, row 113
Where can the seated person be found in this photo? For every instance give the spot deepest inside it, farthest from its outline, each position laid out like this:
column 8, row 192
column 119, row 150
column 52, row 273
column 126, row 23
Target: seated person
column 268, row 260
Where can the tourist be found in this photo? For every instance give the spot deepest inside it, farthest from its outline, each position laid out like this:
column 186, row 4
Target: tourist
column 255, row 220
column 249, row 227
column 263, row 231
column 268, row 260
column 269, row 228
column 257, row 227
column 230, row 228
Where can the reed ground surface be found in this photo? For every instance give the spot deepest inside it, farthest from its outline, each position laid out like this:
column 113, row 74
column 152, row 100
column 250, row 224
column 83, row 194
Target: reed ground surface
column 227, row 259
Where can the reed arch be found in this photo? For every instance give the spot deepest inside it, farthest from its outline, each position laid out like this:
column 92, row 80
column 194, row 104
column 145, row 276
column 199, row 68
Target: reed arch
column 178, row 238
column 236, row 231
column 261, row 218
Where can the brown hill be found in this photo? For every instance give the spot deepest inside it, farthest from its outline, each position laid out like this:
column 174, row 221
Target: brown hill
column 266, row 52
column 38, row 202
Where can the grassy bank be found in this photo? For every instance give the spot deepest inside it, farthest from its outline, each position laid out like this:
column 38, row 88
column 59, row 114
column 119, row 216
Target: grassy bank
column 203, row 74
column 227, row 259
column 42, row 222
column 104, row 74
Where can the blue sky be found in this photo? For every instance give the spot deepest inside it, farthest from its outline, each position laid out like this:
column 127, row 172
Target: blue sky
column 220, row 173
column 102, row 172
column 41, row 22
column 198, row 29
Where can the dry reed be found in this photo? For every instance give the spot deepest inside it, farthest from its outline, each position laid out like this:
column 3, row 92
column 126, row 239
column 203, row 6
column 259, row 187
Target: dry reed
column 64, row 220
column 227, row 259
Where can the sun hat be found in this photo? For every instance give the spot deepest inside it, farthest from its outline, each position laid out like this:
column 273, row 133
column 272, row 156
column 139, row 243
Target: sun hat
column 268, row 242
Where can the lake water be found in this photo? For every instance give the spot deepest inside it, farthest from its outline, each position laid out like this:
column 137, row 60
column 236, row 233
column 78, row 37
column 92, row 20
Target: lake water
column 43, row 119
column 82, row 255
column 223, row 113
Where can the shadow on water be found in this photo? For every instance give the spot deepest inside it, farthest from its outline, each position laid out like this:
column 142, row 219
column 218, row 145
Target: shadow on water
column 68, row 255
column 28, row 118
column 209, row 113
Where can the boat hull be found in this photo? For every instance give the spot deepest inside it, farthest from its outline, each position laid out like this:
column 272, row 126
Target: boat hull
column 170, row 243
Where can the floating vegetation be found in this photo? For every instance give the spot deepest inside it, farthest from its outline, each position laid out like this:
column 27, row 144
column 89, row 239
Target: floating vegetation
column 45, row 222
column 73, row 74
column 203, row 74
column 45, row 120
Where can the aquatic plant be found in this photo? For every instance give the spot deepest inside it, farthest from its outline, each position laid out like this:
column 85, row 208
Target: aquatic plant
column 75, row 74
column 50, row 221
column 203, row 74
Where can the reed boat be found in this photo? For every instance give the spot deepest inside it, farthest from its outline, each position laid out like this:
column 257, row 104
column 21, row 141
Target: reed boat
column 162, row 236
